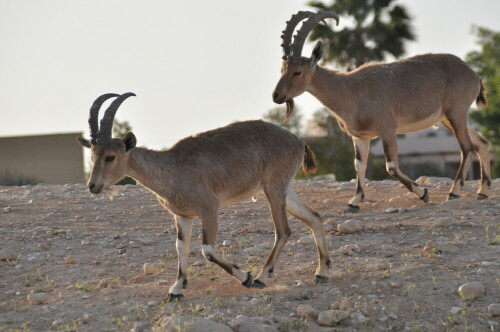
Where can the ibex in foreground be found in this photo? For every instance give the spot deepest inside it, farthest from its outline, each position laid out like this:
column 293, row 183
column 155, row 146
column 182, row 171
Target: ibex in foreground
column 385, row 99
column 208, row 171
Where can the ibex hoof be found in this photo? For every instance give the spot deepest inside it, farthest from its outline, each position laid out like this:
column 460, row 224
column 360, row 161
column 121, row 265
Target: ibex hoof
column 480, row 197
column 173, row 297
column 320, row 279
column 351, row 208
column 329, row 264
column 249, row 282
column 453, row 196
column 258, row 284
column 425, row 197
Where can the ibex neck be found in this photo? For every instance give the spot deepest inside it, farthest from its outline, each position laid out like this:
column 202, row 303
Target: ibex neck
column 330, row 88
column 150, row 168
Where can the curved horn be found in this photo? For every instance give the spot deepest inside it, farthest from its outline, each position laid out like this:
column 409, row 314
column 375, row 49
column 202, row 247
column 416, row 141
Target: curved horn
column 287, row 34
column 300, row 37
column 94, row 114
column 104, row 136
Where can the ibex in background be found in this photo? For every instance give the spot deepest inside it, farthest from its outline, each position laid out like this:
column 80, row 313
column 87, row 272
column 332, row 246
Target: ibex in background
column 385, row 99
column 208, row 171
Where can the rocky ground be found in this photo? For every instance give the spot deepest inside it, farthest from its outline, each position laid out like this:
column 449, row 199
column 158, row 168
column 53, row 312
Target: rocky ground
column 74, row 261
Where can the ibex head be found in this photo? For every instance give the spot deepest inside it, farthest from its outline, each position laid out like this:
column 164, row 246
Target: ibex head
column 108, row 154
column 296, row 70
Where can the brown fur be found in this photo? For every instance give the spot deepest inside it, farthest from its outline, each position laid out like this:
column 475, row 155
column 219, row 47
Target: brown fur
column 385, row 99
column 205, row 172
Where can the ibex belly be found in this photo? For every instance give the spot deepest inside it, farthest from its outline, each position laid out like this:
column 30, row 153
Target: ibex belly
column 411, row 126
column 228, row 199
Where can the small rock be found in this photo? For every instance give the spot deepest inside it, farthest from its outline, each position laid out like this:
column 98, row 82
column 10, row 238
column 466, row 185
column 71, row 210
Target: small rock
column 392, row 210
column 146, row 241
column 359, row 318
column 43, row 246
column 85, row 242
column 471, row 290
column 227, row 243
column 149, row 268
column 69, row 260
column 455, row 311
column 37, row 298
column 162, row 282
column 200, row 263
column 122, row 251
column 140, row 327
column 349, row 227
column 347, row 249
column 494, row 309
column 442, row 222
column 332, row 317
column 431, row 247
column 8, row 254
column 306, row 311
column 58, row 322
column 103, row 284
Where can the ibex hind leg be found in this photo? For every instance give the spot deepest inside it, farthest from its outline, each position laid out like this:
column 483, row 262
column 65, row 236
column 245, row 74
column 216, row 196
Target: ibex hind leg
column 482, row 146
column 311, row 218
column 458, row 124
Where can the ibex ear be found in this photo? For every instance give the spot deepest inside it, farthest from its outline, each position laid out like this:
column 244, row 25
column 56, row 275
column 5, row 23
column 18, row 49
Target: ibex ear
column 83, row 142
column 130, row 141
column 317, row 53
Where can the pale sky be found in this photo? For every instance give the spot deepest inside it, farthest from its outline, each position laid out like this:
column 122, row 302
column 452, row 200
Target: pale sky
column 194, row 64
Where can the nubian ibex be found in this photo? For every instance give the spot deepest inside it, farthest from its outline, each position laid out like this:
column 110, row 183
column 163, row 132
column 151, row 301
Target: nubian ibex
column 206, row 172
column 385, row 99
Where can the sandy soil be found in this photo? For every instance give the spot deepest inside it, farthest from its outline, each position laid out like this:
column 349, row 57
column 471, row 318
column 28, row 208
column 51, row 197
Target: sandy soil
column 86, row 253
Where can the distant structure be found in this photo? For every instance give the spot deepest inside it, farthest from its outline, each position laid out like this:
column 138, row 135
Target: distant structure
column 55, row 159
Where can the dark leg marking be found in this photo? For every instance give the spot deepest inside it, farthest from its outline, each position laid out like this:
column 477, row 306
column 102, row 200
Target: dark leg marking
column 425, row 197
column 258, row 284
column 351, row 208
column 249, row 282
column 481, row 197
column 173, row 297
column 320, row 279
column 453, row 196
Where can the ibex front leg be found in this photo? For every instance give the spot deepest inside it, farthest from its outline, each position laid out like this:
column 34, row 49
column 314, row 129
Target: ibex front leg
column 391, row 154
column 184, row 228
column 209, row 222
column 361, row 151
column 277, row 202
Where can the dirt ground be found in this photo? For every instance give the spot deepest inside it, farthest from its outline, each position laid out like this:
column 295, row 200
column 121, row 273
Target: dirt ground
column 86, row 253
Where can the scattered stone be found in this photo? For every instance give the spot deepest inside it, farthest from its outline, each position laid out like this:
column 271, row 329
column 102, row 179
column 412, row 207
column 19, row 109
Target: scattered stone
column 455, row 311
column 494, row 309
column 8, row 254
column 443, row 222
column 358, row 318
column 227, row 243
column 146, row 241
column 140, row 327
column 242, row 323
column 122, row 251
column 350, row 226
column 200, row 263
column 103, row 284
column 162, row 282
column 149, row 268
column 347, row 249
column 332, row 317
column 57, row 323
column 43, row 246
column 37, row 298
column 85, row 242
column 69, row 260
column 471, row 290
column 306, row 311
column 431, row 247
column 392, row 210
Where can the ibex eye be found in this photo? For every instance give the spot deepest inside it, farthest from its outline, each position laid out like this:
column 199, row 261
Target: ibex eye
column 297, row 73
column 110, row 158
